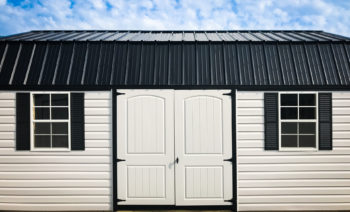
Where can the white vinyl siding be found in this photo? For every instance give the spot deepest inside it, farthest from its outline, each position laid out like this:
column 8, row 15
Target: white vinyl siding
column 59, row 181
column 273, row 180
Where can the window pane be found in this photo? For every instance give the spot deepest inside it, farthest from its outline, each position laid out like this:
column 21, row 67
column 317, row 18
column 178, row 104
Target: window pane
column 307, row 141
column 42, row 113
column 307, row 113
column 60, row 128
column 307, row 128
column 59, row 99
column 307, row 99
column 289, row 128
column 42, row 128
column 289, row 99
column 289, row 113
column 289, row 141
column 42, row 141
column 60, row 141
column 59, row 113
column 41, row 99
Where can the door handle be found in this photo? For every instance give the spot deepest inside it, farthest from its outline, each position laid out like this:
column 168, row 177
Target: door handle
column 177, row 160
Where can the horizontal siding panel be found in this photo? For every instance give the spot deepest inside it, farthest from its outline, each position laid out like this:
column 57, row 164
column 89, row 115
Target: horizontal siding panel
column 262, row 152
column 294, row 191
column 97, row 127
column 55, row 191
column 250, row 135
column 98, row 111
column 98, row 95
column 283, row 159
column 292, row 167
column 294, row 175
column 98, row 119
column 341, row 119
column 98, row 143
column 55, row 199
column 250, row 128
column 7, row 135
column 55, row 207
column 80, row 183
column 341, row 110
column 7, row 111
column 55, row 159
column 250, row 119
column 55, row 167
column 53, row 175
column 7, row 103
column 293, row 206
column 341, row 127
column 98, row 136
column 250, row 104
column 342, row 135
column 249, row 96
column 294, row 183
column 295, row 199
column 341, row 103
column 7, row 120
column 7, row 127
column 250, row 111
column 7, row 143
column 86, row 152
column 97, row 103
column 250, row 144
column 341, row 143
column 7, row 95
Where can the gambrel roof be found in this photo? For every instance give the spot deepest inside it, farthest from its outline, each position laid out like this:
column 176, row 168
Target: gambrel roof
column 174, row 58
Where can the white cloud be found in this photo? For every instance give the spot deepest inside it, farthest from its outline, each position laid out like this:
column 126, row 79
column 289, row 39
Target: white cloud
column 325, row 15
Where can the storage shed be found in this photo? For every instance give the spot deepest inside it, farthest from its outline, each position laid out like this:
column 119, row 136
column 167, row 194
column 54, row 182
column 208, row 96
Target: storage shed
column 111, row 120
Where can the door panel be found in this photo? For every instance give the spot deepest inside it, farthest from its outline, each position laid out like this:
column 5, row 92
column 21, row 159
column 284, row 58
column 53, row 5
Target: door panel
column 202, row 142
column 145, row 133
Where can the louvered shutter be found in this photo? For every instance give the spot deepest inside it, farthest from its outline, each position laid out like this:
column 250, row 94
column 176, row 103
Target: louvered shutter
column 325, row 121
column 271, row 121
column 77, row 121
column 22, row 121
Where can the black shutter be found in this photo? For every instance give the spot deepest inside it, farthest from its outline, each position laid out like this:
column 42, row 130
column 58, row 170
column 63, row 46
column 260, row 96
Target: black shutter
column 325, row 121
column 77, row 121
column 22, row 121
column 271, row 121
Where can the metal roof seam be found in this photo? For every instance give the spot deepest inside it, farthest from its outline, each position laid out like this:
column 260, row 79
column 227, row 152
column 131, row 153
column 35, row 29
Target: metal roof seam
column 127, row 63
column 16, row 62
column 97, row 76
column 322, row 65
column 85, row 63
column 29, row 65
column 296, row 79
column 339, row 73
column 141, row 65
column 279, row 65
column 113, row 64
column 57, row 64
column 43, row 64
column 3, row 57
column 71, row 64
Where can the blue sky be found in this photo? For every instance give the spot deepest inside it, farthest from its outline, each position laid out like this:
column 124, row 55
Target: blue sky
column 24, row 15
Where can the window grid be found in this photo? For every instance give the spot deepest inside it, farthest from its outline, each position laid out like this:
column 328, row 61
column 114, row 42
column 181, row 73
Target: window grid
column 50, row 121
column 298, row 120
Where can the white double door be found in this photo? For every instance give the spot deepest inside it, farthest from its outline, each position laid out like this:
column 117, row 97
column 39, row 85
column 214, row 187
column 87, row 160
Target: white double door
column 174, row 143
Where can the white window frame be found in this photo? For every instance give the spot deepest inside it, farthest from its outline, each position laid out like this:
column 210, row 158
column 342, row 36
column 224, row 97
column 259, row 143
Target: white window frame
column 294, row 149
column 32, row 121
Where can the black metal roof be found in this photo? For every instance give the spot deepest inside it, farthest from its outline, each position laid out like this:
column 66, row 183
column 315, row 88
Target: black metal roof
column 52, row 58
column 183, row 36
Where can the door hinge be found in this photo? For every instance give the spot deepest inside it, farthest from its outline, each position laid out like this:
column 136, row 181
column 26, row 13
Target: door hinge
column 120, row 200
column 230, row 160
column 229, row 200
column 120, row 160
column 118, row 94
column 228, row 94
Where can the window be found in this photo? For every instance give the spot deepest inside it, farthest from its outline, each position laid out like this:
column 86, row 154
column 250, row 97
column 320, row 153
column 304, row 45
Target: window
column 298, row 121
column 50, row 121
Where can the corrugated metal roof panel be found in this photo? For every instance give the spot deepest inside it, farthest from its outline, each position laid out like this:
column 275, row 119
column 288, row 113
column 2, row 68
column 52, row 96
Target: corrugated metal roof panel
column 174, row 63
column 190, row 36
